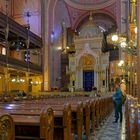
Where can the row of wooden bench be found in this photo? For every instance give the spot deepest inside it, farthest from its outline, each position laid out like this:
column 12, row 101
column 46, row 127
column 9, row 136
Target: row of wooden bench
column 132, row 115
column 51, row 119
column 14, row 97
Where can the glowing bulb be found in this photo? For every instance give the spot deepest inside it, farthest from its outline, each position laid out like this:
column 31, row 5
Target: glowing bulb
column 115, row 38
column 119, row 64
column 122, row 61
column 123, row 44
column 136, row 30
column 13, row 80
column 59, row 48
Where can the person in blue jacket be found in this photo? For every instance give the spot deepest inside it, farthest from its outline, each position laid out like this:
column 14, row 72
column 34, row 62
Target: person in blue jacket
column 117, row 99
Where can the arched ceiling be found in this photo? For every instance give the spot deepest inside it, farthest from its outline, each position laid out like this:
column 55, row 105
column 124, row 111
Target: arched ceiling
column 89, row 4
column 105, row 15
column 101, row 20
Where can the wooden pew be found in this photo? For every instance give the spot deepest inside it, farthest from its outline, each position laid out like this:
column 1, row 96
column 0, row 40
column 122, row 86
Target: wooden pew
column 47, row 124
column 87, row 114
column 77, row 121
column 33, row 109
column 93, row 115
column 62, row 124
column 132, row 119
column 67, row 122
column 41, row 125
column 62, row 113
column 6, row 127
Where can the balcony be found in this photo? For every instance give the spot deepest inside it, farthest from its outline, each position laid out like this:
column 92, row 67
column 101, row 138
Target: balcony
column 19, row 64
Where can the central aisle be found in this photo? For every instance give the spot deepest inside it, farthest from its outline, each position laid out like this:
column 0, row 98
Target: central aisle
column 110, row 130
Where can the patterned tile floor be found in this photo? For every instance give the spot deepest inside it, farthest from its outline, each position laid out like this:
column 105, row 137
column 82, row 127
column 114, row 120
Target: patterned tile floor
column 111, row 131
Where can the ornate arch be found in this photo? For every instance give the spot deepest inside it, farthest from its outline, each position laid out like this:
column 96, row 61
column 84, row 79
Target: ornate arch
column 85, row 15
column 87, row 62
column 90, row 5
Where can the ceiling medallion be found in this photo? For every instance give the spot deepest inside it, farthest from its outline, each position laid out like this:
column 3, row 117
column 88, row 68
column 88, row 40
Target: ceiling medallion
column 89, row 4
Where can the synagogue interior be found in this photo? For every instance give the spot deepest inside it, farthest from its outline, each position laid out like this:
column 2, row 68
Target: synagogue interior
column 68, row 69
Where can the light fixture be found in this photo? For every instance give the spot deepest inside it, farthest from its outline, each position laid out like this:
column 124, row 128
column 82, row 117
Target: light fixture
column 59, row 48
column 115, row 37
column 121, row 41
column 121, row 63
column 67, row 47
column 18, row 80
column 35, row 83
column 136, row 30
column 52, row 36
column 17, row 44
column 123, row 44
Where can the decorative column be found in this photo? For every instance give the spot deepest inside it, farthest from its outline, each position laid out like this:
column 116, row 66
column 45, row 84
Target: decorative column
column 132, row 11
column 132, row 34
column 138, row 51
column 107, row 79
column 95, row 76
column 6, row 80
column 46, row 31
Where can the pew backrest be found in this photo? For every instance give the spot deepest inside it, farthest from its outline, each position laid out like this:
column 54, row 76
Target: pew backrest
column 47, row 123
column 7, row 131
column 67, row 117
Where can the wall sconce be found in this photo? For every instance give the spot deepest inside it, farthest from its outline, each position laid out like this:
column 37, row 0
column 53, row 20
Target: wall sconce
column 52, row 36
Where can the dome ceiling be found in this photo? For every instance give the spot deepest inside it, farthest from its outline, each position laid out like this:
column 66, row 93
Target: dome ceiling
column 105, row 17
column 103, row 21
column 89, row 4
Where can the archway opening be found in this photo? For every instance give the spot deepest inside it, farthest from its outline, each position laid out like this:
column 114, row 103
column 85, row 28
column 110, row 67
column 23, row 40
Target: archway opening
column 87, row 63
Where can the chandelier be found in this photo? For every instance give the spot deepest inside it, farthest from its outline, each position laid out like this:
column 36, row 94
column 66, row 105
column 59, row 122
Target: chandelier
column 18, row 80
column 124, row 66
column 121, row 41
column 116, row 39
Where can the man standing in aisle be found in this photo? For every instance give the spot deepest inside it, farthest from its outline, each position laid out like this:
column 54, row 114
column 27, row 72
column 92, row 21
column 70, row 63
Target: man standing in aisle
column 117, row 99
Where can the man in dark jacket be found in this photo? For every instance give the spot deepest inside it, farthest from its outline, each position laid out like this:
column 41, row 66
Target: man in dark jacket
column 117, row 99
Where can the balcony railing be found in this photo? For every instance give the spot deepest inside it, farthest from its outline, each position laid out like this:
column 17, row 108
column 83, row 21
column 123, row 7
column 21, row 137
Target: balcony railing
column 19, row 30
column 15, row 63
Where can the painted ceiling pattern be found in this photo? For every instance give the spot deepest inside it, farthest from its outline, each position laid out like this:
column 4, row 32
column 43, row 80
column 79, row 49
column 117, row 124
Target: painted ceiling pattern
column 112, row 9
column 89, row 4
column 77, row 15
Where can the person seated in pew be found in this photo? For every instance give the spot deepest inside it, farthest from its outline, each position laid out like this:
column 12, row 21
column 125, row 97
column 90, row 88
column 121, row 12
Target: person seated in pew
column 22, row 94
column 98, row 94
column 94, row 93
